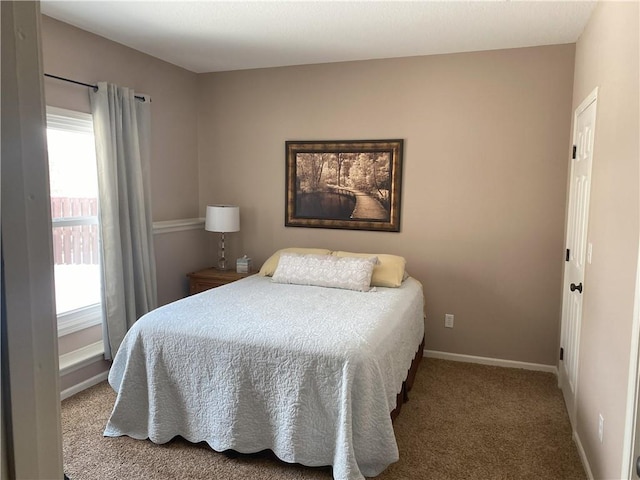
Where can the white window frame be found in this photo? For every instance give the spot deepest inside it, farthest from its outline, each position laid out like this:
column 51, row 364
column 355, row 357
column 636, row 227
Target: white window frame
column 89, row 316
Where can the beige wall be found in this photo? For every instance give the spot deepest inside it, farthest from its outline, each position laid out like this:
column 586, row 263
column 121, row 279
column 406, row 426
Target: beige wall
column 607, row 57
column 73, row 53
column 183, row 252
column 486, row 145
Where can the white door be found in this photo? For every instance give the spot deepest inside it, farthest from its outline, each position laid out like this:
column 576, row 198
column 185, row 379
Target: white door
column 576, row 254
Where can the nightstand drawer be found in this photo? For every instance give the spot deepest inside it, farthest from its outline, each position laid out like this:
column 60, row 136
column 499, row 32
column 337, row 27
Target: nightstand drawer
column 200, row 286
column 211, row 278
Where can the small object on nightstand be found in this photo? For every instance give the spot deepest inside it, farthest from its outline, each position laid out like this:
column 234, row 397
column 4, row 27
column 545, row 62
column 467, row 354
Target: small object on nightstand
column 211, row 278
column 243, row 265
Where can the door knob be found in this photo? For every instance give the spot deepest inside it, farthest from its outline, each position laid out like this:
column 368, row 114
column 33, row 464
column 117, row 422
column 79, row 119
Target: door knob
column 638, row 467
column 575, row 287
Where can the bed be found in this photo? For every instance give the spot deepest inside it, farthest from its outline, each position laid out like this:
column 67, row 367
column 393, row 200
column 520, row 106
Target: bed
column 312, row 373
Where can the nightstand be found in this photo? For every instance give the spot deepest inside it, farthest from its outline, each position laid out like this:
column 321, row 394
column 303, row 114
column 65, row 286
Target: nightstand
column 212, row 277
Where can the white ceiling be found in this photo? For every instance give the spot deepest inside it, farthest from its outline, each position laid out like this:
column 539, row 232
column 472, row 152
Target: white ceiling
column 213, row 36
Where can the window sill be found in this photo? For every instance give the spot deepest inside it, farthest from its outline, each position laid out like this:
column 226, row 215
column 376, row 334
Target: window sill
column 72, row 361
column 79, row 320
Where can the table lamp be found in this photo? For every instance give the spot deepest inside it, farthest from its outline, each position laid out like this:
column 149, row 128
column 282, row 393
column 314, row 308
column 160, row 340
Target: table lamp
column 222, row 219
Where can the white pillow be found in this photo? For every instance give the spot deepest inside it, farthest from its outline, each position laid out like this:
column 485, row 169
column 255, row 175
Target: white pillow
column 270, row 265
column 349, row 273
column 388, row 272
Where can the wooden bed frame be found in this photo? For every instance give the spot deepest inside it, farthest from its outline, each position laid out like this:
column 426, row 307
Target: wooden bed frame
column 403, row 396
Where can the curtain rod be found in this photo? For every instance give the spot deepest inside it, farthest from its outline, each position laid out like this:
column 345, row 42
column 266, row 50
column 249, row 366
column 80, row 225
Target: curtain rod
column 95, row 87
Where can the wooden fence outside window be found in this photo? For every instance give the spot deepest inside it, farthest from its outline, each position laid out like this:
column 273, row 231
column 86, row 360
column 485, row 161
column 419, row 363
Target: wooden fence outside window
column 75, row 231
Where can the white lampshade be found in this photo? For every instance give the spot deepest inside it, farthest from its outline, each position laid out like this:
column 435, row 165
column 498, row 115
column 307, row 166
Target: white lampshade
column 222, row 218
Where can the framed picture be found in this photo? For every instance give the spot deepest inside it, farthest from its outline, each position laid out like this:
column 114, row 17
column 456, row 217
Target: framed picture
column 350, row 184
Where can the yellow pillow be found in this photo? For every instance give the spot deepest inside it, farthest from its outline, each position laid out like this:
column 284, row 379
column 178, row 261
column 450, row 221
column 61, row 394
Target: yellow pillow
column 271, row 264
column 388, row 272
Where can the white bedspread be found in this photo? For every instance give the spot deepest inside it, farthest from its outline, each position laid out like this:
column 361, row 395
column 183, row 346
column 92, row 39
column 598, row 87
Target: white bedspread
column 311, row 373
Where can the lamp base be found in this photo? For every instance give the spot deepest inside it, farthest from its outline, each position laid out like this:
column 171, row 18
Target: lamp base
column 222, row 261
column 222, row 264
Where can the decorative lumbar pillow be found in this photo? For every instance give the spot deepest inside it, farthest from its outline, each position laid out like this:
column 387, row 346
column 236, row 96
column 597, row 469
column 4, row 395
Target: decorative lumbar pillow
column 270, row 265
column 349, row 273
column 388, row 272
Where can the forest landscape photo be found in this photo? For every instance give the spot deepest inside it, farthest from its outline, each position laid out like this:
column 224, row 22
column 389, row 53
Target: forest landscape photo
column 344, row 184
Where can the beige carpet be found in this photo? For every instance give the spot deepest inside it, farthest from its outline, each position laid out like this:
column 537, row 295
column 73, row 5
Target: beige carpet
column 463, row 421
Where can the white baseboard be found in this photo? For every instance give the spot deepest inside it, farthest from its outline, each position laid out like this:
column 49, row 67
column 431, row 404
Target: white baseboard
column 90, row 382
column 458, row 357
column 583, row 456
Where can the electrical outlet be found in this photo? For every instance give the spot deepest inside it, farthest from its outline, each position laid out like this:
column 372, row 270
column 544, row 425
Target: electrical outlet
column 448, row 320
column 600, row 427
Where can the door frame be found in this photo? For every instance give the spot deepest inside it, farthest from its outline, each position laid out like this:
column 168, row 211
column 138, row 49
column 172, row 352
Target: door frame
column 588, row 100
column 30, row 387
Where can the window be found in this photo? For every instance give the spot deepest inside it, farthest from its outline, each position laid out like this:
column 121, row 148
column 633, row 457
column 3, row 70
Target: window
column 74, row 211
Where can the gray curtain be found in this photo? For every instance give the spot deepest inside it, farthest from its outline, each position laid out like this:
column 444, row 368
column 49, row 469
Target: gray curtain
column 122, row 130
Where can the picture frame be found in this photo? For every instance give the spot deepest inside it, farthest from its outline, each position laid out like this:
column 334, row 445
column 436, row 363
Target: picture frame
column 344, row 184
